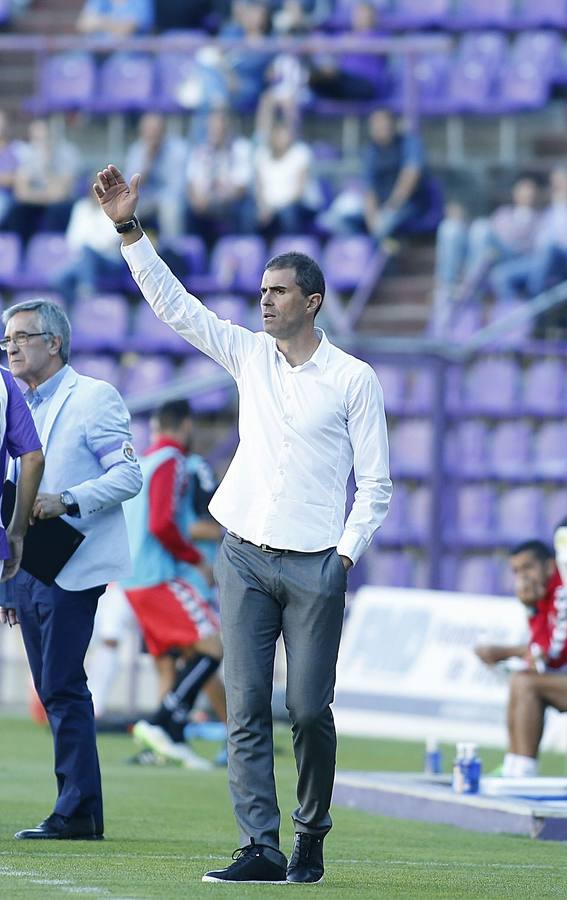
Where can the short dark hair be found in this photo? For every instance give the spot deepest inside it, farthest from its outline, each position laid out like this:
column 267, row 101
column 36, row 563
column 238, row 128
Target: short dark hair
column 308, row 274
column 173, row 413
column 539, row 549
column 561, row 524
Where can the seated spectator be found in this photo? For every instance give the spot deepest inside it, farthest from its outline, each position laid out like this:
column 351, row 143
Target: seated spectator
column 546, row 265
column 542, row 680
column 160, row 159
column 396, row 189
column 352, row 76
column 466, row 252
column 96, row 247
column 171, row 14
column 301, row 16
column 246, row 68
column 116, row 18
column 45, row 183
column 287, row 194
column 10, row 153
column 219, row 176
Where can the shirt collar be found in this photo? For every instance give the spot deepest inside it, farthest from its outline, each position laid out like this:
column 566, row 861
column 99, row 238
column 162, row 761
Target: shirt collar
column 47, row 388
column 166, row 442
column 319, row 358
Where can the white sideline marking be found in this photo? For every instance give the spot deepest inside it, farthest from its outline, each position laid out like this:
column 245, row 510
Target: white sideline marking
column 67, row 886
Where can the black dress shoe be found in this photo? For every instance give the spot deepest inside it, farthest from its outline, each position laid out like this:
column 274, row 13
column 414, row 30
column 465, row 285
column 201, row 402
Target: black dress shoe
column 306, row 863
column 63, row 828
column 253, row 864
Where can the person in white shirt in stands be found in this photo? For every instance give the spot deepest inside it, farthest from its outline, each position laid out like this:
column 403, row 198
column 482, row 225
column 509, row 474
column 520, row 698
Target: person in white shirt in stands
column 96, row 252
column 308, row 412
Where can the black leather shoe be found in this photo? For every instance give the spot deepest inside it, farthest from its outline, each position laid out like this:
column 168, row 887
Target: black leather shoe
column 253, row 864
column 306, row 863
column 63, row 828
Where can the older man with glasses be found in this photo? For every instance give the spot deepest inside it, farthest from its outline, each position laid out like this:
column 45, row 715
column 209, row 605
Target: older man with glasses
column 90, row 469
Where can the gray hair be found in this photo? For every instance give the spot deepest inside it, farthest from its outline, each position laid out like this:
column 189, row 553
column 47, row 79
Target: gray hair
column 53, row 320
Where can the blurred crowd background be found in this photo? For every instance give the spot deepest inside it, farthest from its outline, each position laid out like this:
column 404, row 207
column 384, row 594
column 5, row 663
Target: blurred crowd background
column 416, row 150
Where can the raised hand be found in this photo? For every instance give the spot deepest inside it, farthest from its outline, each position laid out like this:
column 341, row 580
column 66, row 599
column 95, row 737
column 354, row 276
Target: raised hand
column 117, row 198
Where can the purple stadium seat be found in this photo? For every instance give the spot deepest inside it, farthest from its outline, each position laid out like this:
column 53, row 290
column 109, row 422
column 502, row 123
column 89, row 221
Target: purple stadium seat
column 550, row 456
column 417, row 14
column 411, row 443
column 67, row 81
column 545, row 12
column 431, row 72
column 487, row 47
column 191, row 248
column 172, row 70
column 237, row 264
column 544, row 387
column 418, row 524
column 492, row 385
column 140, row 428
column 454, row 388
column 96, row 366
column 100, row 323
column 23, row 296
column 151, row 335
column 476, row 574
column 345, row 259
column 510, row 449
column 470, row 453
column 234, row 308
column 393, row 380
column 554, row 511
column 209, row 400
column 146, row 373
column 519, row 515
column 10, row 257
column 535, row 60
column 388, row 568
column 474, row 515
column 486, row 14
column 46, row 253
column 126, row 83
column 419, row 390
column 300, row 243
column 472, row 85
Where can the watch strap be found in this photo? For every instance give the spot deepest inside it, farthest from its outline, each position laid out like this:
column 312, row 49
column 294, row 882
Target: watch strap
column 125, row 227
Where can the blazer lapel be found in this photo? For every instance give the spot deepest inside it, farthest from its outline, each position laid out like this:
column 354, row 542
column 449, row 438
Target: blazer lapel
column 57, row 401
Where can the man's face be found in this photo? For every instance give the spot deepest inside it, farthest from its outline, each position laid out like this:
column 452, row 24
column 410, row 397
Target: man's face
column 31, row 361
column 283, row 304
column 530, row 576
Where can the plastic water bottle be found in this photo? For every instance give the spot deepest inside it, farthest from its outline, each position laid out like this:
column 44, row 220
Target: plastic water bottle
column 467, row 769
column 433, row 763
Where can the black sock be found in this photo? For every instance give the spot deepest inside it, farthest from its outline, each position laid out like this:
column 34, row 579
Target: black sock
column 176, row 705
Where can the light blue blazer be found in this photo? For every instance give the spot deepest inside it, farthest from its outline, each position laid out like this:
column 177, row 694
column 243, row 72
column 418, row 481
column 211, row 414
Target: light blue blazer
column 88, row 450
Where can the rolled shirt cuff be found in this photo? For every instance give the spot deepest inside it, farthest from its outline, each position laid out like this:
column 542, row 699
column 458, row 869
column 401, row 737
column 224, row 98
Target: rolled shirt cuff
column 352, row 545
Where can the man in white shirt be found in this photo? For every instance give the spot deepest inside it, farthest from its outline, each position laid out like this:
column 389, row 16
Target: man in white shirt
column 308, row 412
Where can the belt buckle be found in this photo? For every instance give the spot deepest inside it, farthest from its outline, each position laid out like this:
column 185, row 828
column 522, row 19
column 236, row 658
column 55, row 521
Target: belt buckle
column 266, row 549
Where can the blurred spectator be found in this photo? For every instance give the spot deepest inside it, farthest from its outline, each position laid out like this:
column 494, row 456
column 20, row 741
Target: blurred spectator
column 171, row 14
column 468, row 251
column 246, row 67
column 10, row 153
column 547, row 264
column 287, row 194
column 44, row 187
column 352, row 76
column 301, row 16
column 96, row 247
column 394, row 162
column 219, row 175
column 116, row 18
column 160, row 159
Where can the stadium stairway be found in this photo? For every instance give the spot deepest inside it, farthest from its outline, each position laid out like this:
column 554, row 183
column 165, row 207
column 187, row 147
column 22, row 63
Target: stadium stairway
column 401, row 302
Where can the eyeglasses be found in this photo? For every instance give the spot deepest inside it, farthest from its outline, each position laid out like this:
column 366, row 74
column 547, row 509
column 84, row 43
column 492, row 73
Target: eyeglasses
column 21, row 338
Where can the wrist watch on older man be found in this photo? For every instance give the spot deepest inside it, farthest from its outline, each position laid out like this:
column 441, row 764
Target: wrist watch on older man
column 71, row 506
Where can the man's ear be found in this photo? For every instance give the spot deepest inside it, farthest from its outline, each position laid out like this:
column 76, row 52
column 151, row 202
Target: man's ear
column 314, row 301
column 55, row 347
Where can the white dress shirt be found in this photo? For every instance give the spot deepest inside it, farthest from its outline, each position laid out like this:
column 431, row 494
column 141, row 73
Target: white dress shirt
column 301, row 428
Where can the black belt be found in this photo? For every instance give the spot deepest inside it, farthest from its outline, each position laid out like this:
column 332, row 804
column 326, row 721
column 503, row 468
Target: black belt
column 264, row 547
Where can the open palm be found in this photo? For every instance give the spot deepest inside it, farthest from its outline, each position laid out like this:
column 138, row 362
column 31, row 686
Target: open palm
column 117, row 198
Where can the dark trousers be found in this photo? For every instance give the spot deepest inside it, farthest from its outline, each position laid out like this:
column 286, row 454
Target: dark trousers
column 263, row 595
column 56, row 627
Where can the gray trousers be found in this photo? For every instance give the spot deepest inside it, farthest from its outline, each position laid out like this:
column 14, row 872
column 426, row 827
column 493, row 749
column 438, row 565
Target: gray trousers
column 301, row 596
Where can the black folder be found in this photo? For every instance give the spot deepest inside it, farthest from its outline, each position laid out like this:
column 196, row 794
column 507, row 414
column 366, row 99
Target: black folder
column 48, row 544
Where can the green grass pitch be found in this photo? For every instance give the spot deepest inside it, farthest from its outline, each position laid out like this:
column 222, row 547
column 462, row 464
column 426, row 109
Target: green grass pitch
column 166, row 826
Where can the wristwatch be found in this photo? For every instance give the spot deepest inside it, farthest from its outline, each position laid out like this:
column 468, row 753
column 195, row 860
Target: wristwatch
column 125, row 227
column 70, row 504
